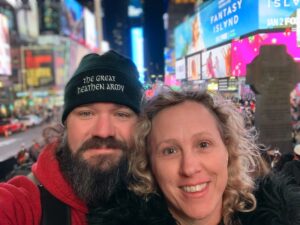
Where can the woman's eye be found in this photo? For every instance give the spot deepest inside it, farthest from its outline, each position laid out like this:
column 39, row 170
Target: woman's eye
column 169, row 151
column 203, row 144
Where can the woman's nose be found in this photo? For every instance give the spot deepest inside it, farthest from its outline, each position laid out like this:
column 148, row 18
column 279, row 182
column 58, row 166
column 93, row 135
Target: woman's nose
column 190, row 164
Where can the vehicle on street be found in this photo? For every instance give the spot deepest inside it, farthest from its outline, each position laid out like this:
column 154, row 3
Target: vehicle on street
column 31, row 120
column 9, row 126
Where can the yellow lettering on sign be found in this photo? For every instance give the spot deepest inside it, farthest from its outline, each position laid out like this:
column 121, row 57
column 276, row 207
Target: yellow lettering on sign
column 33, row 76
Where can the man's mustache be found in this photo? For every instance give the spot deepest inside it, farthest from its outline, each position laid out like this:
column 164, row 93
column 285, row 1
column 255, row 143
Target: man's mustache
column 98, row 142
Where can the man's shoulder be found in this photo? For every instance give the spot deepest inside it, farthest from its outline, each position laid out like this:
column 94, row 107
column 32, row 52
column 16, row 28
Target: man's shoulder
column 19, row 199
column 18, row 187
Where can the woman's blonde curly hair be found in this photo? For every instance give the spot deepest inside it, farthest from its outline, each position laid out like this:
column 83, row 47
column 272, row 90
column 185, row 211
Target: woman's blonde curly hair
column 245, row 162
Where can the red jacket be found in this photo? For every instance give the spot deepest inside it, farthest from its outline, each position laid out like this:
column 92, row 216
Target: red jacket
column 20, row 198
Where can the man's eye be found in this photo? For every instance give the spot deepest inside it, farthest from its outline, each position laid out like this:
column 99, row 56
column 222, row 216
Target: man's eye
column 123, row 114
column 169, row 151
column 85, row 114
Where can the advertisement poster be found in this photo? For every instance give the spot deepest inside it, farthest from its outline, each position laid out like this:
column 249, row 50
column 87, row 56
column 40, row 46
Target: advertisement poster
column 216, row 63
column 298, row 27
column 38, row 67
column 137, row 49
column 180, row 69
column 194, row 67
column 90, row 34
column 245, row 50
column 5, row 56
column 189, row 37
column 72, row 23
column 278, row 13
column 223, row 20
column 49, row 16
column 31, row 17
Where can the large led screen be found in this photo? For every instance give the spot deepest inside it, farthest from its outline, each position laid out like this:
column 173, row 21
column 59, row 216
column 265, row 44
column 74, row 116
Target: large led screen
column 223, row 20
column 277, row 13
column 216, row 63
column 194, row 68
column 245, row 50
column 31, row 17
column 72, row 20
column 188, row 37
column 38, row 64
column 90, row 29
column 5, row 58
column 137, row 44
column 180, row 69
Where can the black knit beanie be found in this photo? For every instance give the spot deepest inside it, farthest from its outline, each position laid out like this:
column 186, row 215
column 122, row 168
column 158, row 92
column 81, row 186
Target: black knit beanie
column 110, row 77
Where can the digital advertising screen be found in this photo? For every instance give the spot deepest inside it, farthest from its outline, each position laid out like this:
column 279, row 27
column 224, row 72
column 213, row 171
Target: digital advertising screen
column 194, row 67
column 90, row 34
column 137, row 44
column 223, row 20
column 5, row 56
column 216, row 63
column 38, row 66
column 246, row 49
column 212, row 85
column 278, row 14
column 72, row 23
column 189, row 37
column 298, row 27
column 49, row 16
column 31, row 17
column 180, row 69
column 169, row 61
column 10, row 15
column 135, row 8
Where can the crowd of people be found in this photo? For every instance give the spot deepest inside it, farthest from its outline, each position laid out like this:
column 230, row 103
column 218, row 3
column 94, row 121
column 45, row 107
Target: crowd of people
column 182, row 157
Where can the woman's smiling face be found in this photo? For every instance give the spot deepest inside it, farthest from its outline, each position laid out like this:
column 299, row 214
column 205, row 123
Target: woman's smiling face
column 189, row 161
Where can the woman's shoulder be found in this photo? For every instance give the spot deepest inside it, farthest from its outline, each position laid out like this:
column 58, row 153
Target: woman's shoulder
column 278, row 202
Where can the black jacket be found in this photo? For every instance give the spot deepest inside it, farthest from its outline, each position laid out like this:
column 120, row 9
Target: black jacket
column 278, row 204
column 292, row 168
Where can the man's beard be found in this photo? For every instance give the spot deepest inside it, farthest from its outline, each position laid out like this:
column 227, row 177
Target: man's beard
column 94, row 182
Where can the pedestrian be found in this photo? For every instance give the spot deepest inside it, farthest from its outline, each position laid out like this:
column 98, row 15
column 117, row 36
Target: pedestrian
column 196, row 163
column 86, row 164
column 296, row 151
column 292, row 168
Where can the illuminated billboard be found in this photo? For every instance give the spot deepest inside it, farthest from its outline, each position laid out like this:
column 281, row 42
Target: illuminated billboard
column 38, row 64
column 224, row 20
column 49, row 16
column 193, row 67
column 180, row 69
column 216, row 63
column 90, row 33
column 5, row 57
column 246, row 49
column 278, row 14
column 72, row 24
column 189, row 37
column 137, row 45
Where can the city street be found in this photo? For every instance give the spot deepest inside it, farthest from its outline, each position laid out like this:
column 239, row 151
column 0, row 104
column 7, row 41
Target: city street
column 9, row 146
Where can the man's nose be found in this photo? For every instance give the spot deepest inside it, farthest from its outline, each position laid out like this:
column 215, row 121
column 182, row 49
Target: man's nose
column 103, row 127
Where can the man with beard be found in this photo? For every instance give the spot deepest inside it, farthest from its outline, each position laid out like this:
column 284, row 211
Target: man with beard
column 88, row 161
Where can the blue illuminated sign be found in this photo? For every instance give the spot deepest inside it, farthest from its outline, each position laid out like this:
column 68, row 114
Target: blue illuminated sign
column 278, row 13
column 137, row 45
column 224, row 20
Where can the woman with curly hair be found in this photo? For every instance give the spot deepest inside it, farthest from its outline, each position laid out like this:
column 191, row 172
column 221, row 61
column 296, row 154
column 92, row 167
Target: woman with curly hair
column 196, row 163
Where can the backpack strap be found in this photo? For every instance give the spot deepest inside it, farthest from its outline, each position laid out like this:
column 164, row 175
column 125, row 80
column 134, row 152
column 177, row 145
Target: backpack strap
column 54, row 212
